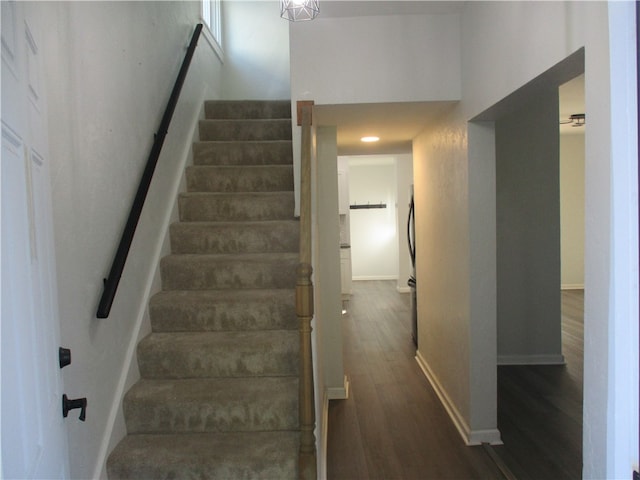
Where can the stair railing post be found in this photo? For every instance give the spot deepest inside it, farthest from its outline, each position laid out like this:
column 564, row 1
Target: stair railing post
column 307, row 463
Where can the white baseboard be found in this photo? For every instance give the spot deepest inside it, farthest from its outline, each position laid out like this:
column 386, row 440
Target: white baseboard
column 324, row 435
column 470, row 437
column 572, row 286
column 374, row 277
column 338, row 393
column 330, row 393
column 553, row 359
column 403, row 289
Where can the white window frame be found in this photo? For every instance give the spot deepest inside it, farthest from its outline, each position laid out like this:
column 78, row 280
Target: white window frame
column 211, row 15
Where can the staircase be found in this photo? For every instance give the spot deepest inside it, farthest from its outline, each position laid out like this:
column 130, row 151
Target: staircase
column 218, row 397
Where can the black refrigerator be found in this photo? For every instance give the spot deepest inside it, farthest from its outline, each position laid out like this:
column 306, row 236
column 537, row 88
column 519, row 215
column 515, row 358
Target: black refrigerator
column 411, row 240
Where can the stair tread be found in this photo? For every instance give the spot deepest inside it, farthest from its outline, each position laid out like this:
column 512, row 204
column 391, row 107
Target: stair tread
column 212, row 404
column 248, row 109
column 197, row 339
column 230, row 257
column 223, row 310
column 216, row 388
column 189, row 296
column 238, row 194
column 235, row 237
column 239, row 178
column 235, row 223
column 242, row 168
column 243, row 152
column 206, row 455
column 245, row 129
column 219, row 354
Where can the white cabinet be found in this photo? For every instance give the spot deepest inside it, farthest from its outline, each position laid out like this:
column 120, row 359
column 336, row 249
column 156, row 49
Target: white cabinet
column 343, row 193
column 345, row 271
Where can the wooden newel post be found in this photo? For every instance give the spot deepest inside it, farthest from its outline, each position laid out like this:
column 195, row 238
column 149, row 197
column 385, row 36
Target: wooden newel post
column 307, row 463
column 304, row 310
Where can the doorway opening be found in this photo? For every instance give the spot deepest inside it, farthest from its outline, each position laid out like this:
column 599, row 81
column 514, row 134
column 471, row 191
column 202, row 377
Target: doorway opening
column 539, row 218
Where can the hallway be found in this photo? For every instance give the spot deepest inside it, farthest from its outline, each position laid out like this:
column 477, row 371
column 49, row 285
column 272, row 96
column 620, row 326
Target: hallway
column 393, row 425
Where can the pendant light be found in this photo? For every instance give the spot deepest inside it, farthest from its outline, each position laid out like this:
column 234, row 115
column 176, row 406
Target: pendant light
column 299, row 10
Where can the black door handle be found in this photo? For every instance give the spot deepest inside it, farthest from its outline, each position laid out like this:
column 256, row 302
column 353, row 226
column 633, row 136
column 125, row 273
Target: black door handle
column 68, row 404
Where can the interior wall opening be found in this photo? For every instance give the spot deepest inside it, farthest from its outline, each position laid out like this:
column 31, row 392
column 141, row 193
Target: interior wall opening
column 539, row 182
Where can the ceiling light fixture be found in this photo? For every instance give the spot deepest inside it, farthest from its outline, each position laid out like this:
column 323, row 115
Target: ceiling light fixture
column 369, row 139
column 299, row 10
column 576, row 120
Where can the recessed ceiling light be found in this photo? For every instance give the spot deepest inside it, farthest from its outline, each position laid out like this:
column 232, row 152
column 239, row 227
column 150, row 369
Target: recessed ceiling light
column 369, row 139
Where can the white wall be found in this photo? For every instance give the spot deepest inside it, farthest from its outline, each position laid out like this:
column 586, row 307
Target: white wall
column 442, row 268
column 330, row 381
column 528, row 233
column 572, row 209
column 374, row 68
column 374, row 232
column 505, row 46
column 256, row 45
column 110, row 70
column 374, row 59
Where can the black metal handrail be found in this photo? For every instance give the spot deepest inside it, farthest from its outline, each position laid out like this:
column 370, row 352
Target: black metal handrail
column 111, row 283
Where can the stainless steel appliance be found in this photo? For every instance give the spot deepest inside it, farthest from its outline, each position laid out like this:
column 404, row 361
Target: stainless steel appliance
column 411, row 240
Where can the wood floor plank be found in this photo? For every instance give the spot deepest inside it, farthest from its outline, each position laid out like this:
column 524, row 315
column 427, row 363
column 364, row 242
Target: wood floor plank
column 540, row 407
column 394, row 427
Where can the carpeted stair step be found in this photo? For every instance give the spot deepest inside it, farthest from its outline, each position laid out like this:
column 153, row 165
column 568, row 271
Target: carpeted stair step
column 212, row 405
column 218, row 395
column 258, row 455
column 245, row 130
column 235, row 109
column 219, row 354
column 235, row 237
column 250, row 270
column 276, row 152
column 223, row 310
column 222, row 207
column 249, row 178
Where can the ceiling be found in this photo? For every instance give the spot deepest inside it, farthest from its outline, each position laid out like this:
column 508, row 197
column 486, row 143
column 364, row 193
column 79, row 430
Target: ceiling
column 397, row 124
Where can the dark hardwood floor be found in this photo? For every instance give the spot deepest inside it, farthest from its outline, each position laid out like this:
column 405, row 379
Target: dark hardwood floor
column 393, row 425
column 540, row 407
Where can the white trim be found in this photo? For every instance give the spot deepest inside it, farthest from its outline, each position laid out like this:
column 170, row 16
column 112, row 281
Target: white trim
column 572, row 286
column 470, row 437
column 324, row 436
column 403, row 289
column 375, row 277
column 338, row 393
column 547, row 359
column 215, row 46
column 330, row 393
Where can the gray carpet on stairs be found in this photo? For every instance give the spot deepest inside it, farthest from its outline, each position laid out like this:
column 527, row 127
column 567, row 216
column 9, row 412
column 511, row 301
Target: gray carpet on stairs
column 218, row 397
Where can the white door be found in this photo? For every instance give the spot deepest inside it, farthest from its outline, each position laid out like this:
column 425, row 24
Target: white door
column 34, row 441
